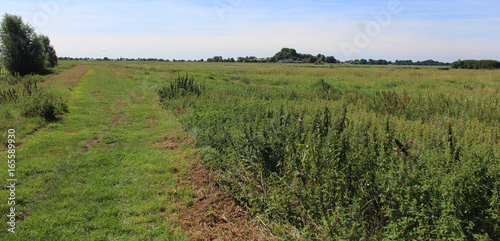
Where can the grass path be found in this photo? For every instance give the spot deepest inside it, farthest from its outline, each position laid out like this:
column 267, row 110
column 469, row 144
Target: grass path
column 97, row 174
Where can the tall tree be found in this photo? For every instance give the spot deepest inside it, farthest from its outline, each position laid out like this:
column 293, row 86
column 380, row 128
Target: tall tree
column 21, row 48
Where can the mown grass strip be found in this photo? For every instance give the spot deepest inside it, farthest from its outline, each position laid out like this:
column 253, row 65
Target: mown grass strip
column 114, row 189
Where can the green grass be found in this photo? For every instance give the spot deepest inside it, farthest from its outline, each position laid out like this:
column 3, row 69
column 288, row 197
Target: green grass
column 113, row 190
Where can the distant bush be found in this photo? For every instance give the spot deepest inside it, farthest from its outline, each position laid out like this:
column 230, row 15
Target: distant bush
column 476, row 64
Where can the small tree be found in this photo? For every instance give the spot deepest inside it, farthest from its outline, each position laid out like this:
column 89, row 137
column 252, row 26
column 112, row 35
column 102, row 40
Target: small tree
column 21, row 48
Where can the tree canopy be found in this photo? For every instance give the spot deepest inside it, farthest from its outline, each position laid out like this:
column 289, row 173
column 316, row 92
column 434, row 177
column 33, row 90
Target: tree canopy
column 23, row 51
column 289, row 53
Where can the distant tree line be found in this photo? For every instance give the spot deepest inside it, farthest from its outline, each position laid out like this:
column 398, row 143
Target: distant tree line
column 220, row 59
column 247, row 59
column 128, row 59
column 287, row 55
column 429, row 62
column 290, row 55
column 23, row 51
column 252, row 59
column 475, row 64
column 370, row 61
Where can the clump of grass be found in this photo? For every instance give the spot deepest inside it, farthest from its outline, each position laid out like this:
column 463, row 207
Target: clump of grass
column 326, row 91
column 391, row 102
column 182, row 86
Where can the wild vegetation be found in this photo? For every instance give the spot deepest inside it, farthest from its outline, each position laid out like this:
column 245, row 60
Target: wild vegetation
column 33, row 101
column 27, row 59
column 352, row 152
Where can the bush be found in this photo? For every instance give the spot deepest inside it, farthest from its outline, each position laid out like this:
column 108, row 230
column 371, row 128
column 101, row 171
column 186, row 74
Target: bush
column 182, row 86
column 29, row 86
column 8, row 95
column 43, row 104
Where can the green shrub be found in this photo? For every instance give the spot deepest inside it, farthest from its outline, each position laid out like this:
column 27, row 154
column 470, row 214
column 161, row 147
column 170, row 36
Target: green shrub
column 28, row 87
column 8, row 95
column 43, row 104
column 182, row 86
column 326, row 90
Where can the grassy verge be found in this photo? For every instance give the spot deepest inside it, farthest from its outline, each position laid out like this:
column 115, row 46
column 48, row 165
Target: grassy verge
column 13, row 109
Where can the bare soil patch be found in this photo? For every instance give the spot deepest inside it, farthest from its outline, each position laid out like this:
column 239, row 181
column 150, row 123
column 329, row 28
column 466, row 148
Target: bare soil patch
column 214, row 215
column 173, row 142
column 92, row 143
column 114, row 143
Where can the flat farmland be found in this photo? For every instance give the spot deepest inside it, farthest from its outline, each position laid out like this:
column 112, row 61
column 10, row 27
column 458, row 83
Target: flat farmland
column 328, row 152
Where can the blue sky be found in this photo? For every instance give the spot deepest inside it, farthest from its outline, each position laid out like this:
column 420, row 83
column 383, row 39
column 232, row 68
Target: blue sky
column 194, row 29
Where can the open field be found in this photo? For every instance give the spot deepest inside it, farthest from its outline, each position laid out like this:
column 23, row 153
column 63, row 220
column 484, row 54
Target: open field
column 311, row 151
column 349, row 152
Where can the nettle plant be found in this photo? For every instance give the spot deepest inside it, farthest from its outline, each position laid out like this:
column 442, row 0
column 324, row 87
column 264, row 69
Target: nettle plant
column 367, row 165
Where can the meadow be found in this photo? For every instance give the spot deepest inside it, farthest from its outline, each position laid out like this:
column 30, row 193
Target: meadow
column 326, row 152
column 349, row 152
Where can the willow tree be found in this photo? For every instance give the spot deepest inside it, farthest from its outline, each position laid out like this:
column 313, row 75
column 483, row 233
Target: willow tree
column 23, row 51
